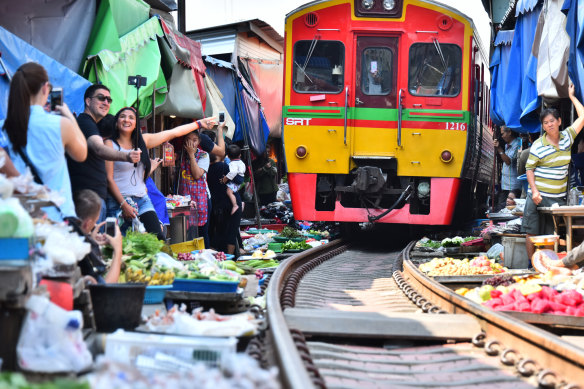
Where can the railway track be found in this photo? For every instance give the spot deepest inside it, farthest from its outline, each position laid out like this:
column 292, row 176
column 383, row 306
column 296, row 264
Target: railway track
column 345, row 317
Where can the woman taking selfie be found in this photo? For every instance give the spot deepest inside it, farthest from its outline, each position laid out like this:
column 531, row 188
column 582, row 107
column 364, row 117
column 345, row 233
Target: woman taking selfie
column 39, row 140
column 126, row 181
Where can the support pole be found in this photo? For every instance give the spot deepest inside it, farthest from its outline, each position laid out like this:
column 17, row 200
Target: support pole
column 248, row 151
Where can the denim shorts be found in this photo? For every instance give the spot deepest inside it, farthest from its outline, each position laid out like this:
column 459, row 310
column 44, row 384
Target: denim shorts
column 144, row 205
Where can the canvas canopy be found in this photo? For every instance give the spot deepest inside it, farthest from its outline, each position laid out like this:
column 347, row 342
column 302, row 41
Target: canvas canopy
column 499, row 72
column 15, row 52
column 518, row 95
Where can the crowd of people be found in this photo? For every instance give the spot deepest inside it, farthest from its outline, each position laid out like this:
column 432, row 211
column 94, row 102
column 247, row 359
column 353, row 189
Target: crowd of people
column 100, row 165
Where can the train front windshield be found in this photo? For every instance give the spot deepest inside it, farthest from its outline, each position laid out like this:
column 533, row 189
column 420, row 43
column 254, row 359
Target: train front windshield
column 319, row 66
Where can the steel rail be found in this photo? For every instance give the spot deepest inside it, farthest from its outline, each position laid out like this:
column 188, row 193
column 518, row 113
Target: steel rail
column 547, row 349
column 292, row 369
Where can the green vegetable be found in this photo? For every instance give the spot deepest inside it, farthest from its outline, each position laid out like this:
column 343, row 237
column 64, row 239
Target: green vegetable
column 290, row 245
column 141, row 244
column 262, row 263
column 289, row 232
column 17, row 381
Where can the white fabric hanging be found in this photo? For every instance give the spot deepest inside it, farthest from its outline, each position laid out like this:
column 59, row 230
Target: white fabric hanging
column 551, row 47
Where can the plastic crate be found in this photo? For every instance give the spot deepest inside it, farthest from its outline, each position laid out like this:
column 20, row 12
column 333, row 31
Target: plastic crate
column 277, row 227
column 282, row 239
column 275, row 247
column 205, row 286
column 254, row 231
column 126, row 347
column 155, row 293
column 187, row 247
column 13, row 249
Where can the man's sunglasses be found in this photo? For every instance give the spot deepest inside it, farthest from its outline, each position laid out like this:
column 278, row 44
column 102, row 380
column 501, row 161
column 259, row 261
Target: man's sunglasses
column 103, row 98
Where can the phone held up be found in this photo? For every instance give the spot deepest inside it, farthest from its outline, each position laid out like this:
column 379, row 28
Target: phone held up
column 110, row 226
column 221, row 117
column 56, row 98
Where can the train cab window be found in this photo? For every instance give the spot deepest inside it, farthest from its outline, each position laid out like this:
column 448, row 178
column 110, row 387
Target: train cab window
column 318, row 66
column 376, row 71
column 434, row 69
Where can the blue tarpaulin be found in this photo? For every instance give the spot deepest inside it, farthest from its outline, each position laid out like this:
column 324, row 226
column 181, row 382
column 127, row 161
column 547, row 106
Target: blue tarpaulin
column 16, row 52
column 499, row 71
column 251, row 119
column 518, row 95
column 574, row 11
column 243, row 106
column 222, row 73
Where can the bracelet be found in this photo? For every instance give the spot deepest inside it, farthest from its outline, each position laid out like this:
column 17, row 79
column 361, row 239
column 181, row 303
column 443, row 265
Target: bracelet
column 501, row 152
column 199, row 124
column 122, row 203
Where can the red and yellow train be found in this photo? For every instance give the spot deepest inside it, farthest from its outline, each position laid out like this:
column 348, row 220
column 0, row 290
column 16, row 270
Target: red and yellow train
column 385, row 112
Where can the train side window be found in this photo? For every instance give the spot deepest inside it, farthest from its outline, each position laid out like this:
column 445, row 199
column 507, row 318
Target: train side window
column 318, row 66
column 376, row 71
column 434, row 69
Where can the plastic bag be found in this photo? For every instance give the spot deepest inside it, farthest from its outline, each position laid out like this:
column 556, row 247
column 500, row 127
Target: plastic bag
column 495, row 251
column 248, row 192
column 51, row 339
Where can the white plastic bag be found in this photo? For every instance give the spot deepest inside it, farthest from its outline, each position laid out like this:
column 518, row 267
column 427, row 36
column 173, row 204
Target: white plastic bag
column 51, row 339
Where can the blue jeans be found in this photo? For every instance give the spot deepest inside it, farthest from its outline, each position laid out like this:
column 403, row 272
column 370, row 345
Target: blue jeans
column 114, row 210
column 144, row 205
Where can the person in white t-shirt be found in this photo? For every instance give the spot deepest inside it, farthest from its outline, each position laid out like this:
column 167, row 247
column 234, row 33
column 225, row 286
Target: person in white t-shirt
column 234, row 178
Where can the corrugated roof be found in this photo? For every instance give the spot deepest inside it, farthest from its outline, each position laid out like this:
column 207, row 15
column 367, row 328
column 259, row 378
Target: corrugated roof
column 262, row 29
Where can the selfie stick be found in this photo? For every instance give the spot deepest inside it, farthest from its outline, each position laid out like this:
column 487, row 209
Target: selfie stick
column 137, row 81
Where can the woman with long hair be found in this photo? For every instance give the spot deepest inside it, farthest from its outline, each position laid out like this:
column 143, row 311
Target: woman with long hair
column 126, row 181
column 39, row 140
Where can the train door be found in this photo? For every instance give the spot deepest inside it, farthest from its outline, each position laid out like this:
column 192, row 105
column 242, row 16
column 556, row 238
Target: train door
column 376, row 94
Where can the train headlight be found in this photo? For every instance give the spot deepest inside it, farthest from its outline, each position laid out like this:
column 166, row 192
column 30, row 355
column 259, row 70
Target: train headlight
column 446, row 156
column 367, row 4
column 301, row 152
column 423, row 190
column 388, row 5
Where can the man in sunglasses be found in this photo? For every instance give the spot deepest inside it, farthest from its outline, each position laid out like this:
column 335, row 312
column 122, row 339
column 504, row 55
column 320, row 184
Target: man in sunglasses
column 91, row 174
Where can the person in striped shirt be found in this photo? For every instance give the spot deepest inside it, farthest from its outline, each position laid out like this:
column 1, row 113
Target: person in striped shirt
column 547, row 169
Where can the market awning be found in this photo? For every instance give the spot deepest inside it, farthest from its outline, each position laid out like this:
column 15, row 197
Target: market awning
column 113, row 20
column 215, row 105
column 139, row 55
column 575, row 27
column 15, row 52
column 222, row 74
column 241, row 102
column 58, row 28
column 519, row 93
column 266, row 78
column 499, row 71
column 186, row 96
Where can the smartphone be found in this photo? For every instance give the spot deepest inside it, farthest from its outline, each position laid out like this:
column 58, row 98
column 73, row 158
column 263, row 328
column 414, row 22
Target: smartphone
column 56, row 98
column 110, row 226
column 221, row 117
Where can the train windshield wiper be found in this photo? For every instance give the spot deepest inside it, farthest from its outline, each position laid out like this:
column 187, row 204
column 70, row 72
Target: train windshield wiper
column 439, row 50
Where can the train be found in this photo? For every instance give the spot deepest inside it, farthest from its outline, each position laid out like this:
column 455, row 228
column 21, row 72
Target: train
column 385, row 112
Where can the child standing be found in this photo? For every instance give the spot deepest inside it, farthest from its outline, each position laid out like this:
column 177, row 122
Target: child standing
column 235, row 176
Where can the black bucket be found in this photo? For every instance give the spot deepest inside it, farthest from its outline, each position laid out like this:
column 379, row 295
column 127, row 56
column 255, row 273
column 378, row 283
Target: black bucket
column 117, row 306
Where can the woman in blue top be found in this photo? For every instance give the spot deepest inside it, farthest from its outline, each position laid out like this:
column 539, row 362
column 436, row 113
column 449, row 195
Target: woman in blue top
column 40, row 137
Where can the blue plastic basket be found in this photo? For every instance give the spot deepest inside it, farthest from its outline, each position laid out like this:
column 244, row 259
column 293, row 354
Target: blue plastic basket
column 204, row 286
column 155, row 294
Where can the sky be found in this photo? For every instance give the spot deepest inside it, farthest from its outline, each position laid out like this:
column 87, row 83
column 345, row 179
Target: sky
column 201, row 15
